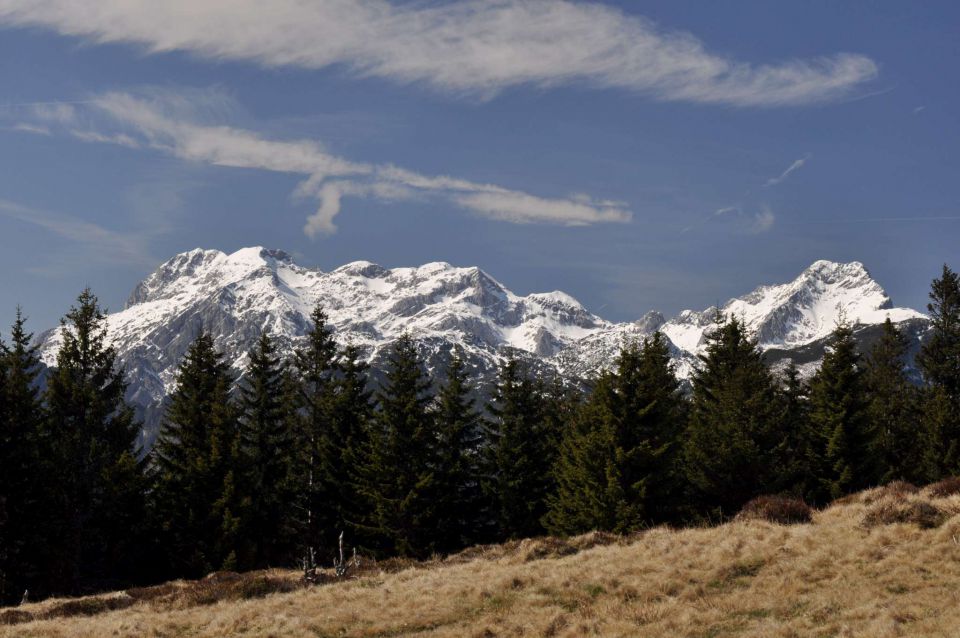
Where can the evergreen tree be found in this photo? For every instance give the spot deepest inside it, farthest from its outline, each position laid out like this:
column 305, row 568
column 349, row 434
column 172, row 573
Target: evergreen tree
column 457, row 482
column 939, row 360
column 9, row 576
column 399, row 473
column 319, row 473
column 842, row 457
column 193, row 457
column 316, row 365
column 616, row 469
column 99, row 484
column 352, row 414
column 266, row 461
column 518, row 455
column 797, row 443
column 900, row 447
column 589, row 482
column 733, row 445
column 24, row 516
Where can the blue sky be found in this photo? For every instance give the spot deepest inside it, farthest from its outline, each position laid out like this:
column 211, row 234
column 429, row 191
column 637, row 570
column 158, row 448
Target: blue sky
column 657, row 155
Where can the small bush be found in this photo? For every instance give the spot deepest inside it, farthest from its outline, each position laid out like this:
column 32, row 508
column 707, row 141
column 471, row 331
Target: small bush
column 889, row 511
column 783, row 510
column 899, row 488
column 944, row 488
column 90, row 606
column 14, row 617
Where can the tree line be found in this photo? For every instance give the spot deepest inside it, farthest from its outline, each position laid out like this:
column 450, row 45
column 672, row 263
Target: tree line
column 258, row 471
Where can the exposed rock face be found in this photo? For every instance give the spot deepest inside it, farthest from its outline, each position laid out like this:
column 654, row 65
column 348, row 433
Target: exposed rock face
column 234, row 297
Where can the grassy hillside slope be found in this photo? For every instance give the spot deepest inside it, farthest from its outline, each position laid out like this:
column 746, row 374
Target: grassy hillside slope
column 881, row 563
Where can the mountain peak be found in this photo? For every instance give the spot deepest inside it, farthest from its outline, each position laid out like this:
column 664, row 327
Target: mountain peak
column 800, row 312
column 238, row 295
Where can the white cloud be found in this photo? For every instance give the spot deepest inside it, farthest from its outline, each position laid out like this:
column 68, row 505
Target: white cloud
column 31, row 128
column 173, row 123
column 476, row 47
column 795, row 166
column 762, row 221
column 727, row 209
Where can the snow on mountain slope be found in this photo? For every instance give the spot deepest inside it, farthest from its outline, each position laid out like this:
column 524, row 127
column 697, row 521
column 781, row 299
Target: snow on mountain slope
column 800, row 312
column 235, row 297
column 782, row 317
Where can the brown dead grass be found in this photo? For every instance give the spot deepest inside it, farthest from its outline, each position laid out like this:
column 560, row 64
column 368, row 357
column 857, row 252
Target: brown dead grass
column 837, row 576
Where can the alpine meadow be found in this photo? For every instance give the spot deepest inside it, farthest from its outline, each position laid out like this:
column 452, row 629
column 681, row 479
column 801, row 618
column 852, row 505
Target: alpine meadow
column 304, row 442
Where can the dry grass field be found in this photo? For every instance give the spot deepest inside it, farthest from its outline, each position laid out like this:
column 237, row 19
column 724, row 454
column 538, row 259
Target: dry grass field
column 881, row 563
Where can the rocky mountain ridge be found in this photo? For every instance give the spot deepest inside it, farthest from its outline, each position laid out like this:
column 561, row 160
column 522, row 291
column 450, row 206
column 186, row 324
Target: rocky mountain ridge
column 236, row 296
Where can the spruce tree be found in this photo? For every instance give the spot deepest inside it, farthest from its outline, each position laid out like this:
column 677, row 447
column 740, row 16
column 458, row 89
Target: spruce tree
column 900, row 447
column 797, row 441
column 352, row 415
column 319, row 472
column 100, row 485
column 399, row 473
column 457, row 482
column 193, row 457
column 9, row 576
column 24, row 512
column 517, row 455
column 939, row 361
column 616, row 470
column 843, row 452
column 265, row 458
column 589, row 482
column 733, row 438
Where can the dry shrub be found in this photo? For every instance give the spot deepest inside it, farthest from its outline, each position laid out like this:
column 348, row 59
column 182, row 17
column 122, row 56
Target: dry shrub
column 894, row 489
column 216, row 587
column 783, row 510
column 144, row 594
column 236, row 587
column 899, row 488
column 14, row 617
column 539, row 548
column 389, row 565
column 893, row 510
column 553, row 547
column 946, row 487
column 89, row 606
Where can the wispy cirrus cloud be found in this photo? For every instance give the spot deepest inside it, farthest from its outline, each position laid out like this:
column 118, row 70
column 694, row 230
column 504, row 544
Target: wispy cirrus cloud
column 795, row 166
column 474, row 47
column 177, row 123
column 753, row 222
column 97, row 242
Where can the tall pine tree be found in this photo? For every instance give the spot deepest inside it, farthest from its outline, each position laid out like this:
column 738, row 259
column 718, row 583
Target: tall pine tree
column 517, row 455
column 9, row 575
column 194, row 457
column 457, row 481
column 939, row 360
column 266, row 461
column 24, row 492
column 733, row 445
column 900, row 447
column 100, row 484
column 319, row 473
column 616, row 470
column 843, row 453
column 352, row 417
column 399, row 473
column 796, row 476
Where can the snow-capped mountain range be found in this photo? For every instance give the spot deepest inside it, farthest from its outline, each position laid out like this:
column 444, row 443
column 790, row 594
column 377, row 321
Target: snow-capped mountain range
column 235, row 297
